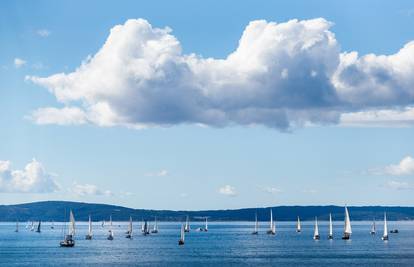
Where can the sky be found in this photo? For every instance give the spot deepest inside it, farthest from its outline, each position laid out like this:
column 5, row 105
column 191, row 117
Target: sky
column 214, row 105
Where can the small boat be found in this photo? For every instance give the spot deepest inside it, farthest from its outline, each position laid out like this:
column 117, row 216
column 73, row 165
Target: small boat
column 347, row 226
column 38, row 227
column 155, row 229
column 32, row 227
column 142, row 226
column 103, row 223
column 316, row 230
column 272, row 226
column 187, row 225
column 298, row 226
column 206, row 226
column 256, row 226
column 182, row 236
column 385, row 234
column 330, row 235
column 89, row 234
column 129, row 232
column 373, row 227
column 146, row 228
column 68, row 240
column 53, row 225
column 394, row 231
column 110, row 231
column 17, row 226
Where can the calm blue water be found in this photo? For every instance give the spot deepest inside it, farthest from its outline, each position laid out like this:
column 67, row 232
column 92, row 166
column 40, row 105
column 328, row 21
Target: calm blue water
column 225, row 244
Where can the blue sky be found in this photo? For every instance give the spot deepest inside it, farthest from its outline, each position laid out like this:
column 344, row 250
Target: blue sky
column 245, row 160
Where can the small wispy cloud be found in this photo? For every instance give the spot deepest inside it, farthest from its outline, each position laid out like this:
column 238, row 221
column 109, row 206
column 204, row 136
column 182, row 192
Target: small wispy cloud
column 43, row 32
column 310, row 191
column 18, row 62
column 159, row 173
column 270, row 190
column 228, row 190
column 89, row 190
column 397, row 185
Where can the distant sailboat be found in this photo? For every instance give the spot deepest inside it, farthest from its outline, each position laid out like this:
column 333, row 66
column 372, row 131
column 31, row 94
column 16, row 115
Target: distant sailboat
column 68, row 240
column 89, row 235
column 146, row 228
column 187, row 225
column 330, row 235
column 347, row 226
column 32, row 226
column 17, row 226
column 256, row 226
column 182, row 236
column 385, row 234
column 298, row 226
column 53, row 225
column 206, row 226
column 38, row 227
column 129, row 232
column 110, row 231
column 142, row 226
column 103, row 223
column 272, row 228
column 155, row 229
column 316, row 230
column 373, row 227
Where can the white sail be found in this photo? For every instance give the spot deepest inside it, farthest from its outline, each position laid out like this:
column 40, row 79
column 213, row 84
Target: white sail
column 330, row 225
column 187, row 224
column 316, row 230
column 111, row 233
column 347, row 226
column 298, row 226
column 271, row 220
column 385, row 235
column 155, row 224
column 71, row 224
column 256, row 225
column 373, row 227
column 182, row 236
column 206, row 228
column 273, row 228
column 142, row 225
column 90, row 226
column 130, row 226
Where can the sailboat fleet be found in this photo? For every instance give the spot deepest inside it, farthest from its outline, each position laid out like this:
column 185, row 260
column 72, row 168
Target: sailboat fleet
column 68, row 235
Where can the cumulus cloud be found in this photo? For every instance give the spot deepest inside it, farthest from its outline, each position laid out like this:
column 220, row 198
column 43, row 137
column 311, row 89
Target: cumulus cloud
column 404, row 167
column 43, row 32
column 228, row 190
column 89, row 190
column 397, row 185
column 281, row 75
column 32, row 179
column 18, row 62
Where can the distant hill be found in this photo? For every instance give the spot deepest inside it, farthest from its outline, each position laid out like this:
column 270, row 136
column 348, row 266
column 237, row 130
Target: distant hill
column 55, row 210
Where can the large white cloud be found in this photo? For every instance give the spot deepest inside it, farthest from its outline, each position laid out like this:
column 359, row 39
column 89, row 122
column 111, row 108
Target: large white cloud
column 281, row 75
column 32, row 179
column 404, row 167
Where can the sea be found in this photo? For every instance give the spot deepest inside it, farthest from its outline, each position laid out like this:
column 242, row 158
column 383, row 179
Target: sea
column 225, row 244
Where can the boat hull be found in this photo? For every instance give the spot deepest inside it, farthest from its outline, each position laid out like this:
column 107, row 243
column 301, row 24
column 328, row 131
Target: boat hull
column 180, row 242
column 88, row 237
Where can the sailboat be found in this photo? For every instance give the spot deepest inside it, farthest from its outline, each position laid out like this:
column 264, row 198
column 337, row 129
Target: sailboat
column 373, row 228
column 316, row 231
column 89, row 235
column 272, row 228
column 103, row 223
column 129, row 232
column 68, row 239
column 298, row 226
column 187, row 225
column 38, row 227
column 206, row 226
column 182, row 236
column 142, row 226
column 155, row 229
column 385, row 235
column 17, row 226
column 32, row 226
column 347, row 226
column 146, row 228
column 330, row 235
column 111, row 232
column 53, row 225
column 256, row 226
